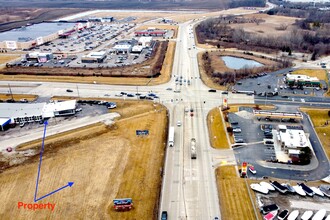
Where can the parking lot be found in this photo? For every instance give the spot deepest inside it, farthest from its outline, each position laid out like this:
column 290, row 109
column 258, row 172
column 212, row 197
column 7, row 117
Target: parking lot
column 267, row 83
column 255, row 149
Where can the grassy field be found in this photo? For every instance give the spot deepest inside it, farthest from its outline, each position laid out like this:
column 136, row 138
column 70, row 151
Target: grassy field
column 17, row 97
column 234, row 198
column 319, row 117
column 319, row 73
column 103, row 162
column 217, row 130
column 5, row 58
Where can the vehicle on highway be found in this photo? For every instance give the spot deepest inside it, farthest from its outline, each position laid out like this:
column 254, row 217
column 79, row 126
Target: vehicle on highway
column 252, row 170
column 171, row 137
column 130, row 95
column 164, row 215
column 123, row 93
column 225, row 93
column 23, row 101
column 193, row 148
column 169, row 89
column 69, row 90
column 212, row 90
column 179, row 123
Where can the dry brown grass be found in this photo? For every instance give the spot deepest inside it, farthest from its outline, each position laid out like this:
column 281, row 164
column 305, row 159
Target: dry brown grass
column 168, row 61
column 17, row 97
column 217, row 130
column 234, row 108
column 319, row 117
column 105, row 163
column 5, row 58
column 319, row 73
column 234, row 198
column 269, row 26
column 204, row 77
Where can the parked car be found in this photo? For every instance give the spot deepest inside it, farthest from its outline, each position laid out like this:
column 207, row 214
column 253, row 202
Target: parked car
column 69, row 90
column 179, row 123
column 212, row 90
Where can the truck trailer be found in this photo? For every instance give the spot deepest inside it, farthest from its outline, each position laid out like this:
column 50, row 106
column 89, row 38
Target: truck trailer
column 193, row 148
column 171, row 137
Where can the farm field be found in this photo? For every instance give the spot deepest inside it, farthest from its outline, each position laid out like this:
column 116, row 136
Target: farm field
column 103, row 162
column 319, row 118
column 234, row 198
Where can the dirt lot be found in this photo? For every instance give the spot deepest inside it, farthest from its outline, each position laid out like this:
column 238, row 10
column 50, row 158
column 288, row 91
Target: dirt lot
column 319, row 118
column 235, row 201
column 164, row 77
column 103, row 162
column 268, row 27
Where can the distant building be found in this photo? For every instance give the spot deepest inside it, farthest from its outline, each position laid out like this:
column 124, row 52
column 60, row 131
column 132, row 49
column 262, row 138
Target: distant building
column 151, row 33
column 137, row 49
column 123, row 48
column 145, row 41
column 94, row 57
column 301, row 80
column 39, row 57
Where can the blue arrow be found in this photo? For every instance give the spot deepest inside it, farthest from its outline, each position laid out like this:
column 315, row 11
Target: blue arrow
column 38, row 176
column 59, row 189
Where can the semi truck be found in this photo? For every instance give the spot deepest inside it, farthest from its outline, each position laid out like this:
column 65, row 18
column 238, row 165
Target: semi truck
column 193, row 148
column 171, row 137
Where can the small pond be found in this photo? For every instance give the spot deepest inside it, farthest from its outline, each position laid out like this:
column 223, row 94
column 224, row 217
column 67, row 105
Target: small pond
column 239, row 63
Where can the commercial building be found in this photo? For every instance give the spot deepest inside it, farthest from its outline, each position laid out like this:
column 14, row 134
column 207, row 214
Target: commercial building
column 123, row 48
column 137, row 49
column 60, row 108
column 151, row 33
column 33, row 35
column 292, row 140
column 145, row 41
column 39, row 57
column 21, row 113
column 301, row 80
column 94, row 57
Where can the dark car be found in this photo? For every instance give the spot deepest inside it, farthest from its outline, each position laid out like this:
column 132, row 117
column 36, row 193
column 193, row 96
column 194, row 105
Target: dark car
column 164, row 215
column 130, row 95
column 212, row 90
column 69, row 90
column 225, row 93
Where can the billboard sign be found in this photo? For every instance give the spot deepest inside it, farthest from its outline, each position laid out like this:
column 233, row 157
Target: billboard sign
column 11, row 45
column 40, row 40
column 142, row 132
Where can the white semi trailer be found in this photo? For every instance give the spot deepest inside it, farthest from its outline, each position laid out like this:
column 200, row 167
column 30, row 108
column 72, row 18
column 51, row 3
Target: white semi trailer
column 171, row 137
column 193, row 148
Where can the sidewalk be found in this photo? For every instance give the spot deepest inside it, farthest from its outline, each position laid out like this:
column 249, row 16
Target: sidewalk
column 33, row 134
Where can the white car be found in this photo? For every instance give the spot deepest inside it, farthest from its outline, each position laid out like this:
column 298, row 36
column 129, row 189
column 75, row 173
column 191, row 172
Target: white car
column 179, row 123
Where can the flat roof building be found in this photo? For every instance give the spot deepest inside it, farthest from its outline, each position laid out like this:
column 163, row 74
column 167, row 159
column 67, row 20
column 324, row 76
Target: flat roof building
column 94, row 57
column 145, row 41
column 292, row 139
column 39, row 57
column 123, row 48
column 301, row 80
column 153, row 33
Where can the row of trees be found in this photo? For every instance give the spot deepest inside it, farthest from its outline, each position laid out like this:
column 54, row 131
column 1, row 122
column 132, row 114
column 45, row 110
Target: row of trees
column 218, row 32
column 231, row 76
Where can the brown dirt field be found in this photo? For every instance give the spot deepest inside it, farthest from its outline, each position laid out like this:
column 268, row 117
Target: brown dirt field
column 234, row 197
column 105, row 163
column 217, row 130
column 17, row 97
column 319, row 117
column 269, row 26
column 163, row 78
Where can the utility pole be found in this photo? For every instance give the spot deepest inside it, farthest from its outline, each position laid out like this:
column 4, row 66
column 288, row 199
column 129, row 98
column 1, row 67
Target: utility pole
column 11, row 94
column 77, row 90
